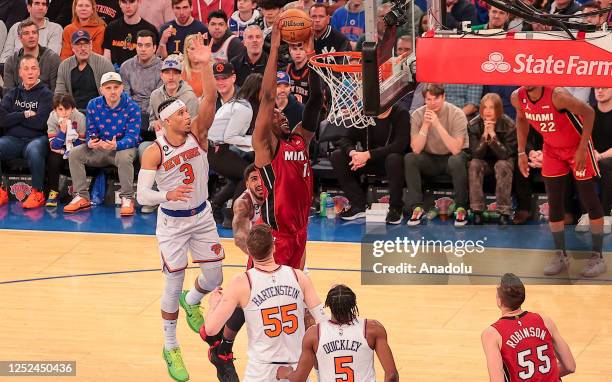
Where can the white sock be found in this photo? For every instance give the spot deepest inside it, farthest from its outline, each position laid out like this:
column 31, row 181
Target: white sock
column 194, row 296
column 170, row 341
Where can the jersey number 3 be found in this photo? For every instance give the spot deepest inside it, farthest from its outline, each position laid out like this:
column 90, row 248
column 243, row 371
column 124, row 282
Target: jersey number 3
column 189, row 175
column 282, row 319
column 342, row 365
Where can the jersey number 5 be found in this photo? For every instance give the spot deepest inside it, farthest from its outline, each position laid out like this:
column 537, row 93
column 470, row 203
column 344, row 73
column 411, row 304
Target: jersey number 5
column 189, row 175
column 543, row 368
column 287, row 316
column 342, row 368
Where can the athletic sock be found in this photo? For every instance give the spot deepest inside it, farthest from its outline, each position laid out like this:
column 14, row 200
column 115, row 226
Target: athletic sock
column 559, row 239
column 170, row 341
column 225, row 347
column 194, row 296
column 597, row 243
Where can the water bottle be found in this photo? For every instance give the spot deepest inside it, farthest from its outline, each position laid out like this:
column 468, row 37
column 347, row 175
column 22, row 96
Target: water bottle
column 323, row 204
column 331, row 208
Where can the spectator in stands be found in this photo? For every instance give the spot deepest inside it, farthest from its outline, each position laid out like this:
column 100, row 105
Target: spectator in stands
column 286, row 102
column 350, row 20
column 225, row 46
column 498, row 19
column 403, row 45
column 439, row 139
column 307, row 4
column 245, row 15
column 203, row 8
column 23, row 117
column 109, row 10
column 157, row 12
column 253, row 59
column 192, row 68
column 423, row 24
column 597, row 20
column 230, row 148
column 120, row 35
column 381, row 26
column 113, row 128
column 564, row 7
column 410, row 29
column 66, row 130
column 80, row 74
column 458, row 11
column 48, row 60
column 465, row 97
column 174, row 33
column 327, row 39
column 141, row 74
column 269, row 10
column 49, row 33
column 376, row 150
column 493, row 148
column 12, row 11
column 85, row 18
column 3, row 34
column 298, row 72
column 60, row 12
column 225, row 77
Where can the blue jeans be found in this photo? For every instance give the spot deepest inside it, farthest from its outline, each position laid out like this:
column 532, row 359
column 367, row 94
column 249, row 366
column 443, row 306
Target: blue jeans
column 34, row 150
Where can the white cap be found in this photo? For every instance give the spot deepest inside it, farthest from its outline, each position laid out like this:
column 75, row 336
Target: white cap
column 110, row 76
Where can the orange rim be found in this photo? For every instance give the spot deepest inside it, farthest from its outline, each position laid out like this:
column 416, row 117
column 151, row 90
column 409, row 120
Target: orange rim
column 319, row 61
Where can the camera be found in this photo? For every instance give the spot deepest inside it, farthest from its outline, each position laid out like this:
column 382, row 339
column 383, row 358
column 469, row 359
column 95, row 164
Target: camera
column 398, row 14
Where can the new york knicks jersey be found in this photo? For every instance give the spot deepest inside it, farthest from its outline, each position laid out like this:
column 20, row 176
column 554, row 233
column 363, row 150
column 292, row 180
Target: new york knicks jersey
column 186, row 164
column 344, row 354
column 527, row 349
column 274, row 316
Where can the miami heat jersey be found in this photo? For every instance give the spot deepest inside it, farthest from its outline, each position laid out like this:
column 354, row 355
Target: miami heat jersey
column 186, row 164
column 559, row 128
column 344, row 354
column 527, row 349
column 287, row 183
column 274, row 316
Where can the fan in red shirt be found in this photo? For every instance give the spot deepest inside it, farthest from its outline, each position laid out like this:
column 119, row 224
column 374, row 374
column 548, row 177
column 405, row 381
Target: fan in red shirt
column 565, row 124
column 524, row 346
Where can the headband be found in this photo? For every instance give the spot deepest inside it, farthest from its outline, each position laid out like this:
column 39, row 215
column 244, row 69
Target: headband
column 171, row 109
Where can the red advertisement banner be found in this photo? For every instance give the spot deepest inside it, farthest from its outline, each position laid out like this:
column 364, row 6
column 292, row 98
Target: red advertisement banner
column 492, row 61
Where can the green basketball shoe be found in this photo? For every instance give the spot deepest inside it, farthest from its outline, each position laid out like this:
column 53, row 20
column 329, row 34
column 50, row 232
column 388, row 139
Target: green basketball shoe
column 176, row 367
column 192, row 313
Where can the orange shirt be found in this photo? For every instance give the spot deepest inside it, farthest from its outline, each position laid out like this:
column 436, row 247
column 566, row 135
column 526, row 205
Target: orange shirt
column 195, row 82
column 95, row 30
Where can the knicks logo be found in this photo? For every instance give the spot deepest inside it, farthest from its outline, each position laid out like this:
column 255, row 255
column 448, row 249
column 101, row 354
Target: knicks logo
column 21, row 190
column 217, row 249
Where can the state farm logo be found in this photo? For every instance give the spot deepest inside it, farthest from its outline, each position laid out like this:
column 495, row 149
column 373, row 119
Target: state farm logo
column 496, row 63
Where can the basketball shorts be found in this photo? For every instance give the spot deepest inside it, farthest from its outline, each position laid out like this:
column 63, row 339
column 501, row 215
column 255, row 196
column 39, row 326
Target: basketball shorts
column 264, row 372
column 560, row 161
column 196, row 234
column 288, row 248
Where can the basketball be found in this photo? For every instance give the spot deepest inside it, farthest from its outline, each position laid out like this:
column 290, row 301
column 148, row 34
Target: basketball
column 295, row 25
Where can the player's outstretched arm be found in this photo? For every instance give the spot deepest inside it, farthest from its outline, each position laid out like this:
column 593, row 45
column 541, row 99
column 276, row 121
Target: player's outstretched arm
column 206, row 110
column 307, row 358
column 312, row 109
column 491, row 342
column 241, row 223
column 223, row 303
column 264, row 141
column 567, row 364
column 522, row 130
column 311, row 298
column 382, row 349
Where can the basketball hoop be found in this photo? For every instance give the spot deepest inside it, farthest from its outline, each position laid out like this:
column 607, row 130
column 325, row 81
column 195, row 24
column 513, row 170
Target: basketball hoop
column 344, row 81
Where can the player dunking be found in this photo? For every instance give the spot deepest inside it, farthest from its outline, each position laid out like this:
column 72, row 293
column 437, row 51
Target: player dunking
column 524, row 346
column 344, row 346
column 555, row 114
column 178, row 163
column 282, row 159
column 273, row 298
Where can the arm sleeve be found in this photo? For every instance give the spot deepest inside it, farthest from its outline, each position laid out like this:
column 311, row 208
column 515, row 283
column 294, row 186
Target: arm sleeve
column 310, row 117
column 132, row 130
column 55, row 62
column 145, row 194
column 477, row 147
column 125, row 76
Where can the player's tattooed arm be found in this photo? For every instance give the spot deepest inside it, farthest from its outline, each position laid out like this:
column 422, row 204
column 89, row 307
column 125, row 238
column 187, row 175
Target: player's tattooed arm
column 207, row 108
column 377, row 336
column 307, row 358
column 522, row 131
column 241, row 223
column 566, row 362
column 491, row 342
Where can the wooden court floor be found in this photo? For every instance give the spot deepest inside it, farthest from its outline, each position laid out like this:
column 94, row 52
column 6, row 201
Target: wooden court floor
column 109, row 322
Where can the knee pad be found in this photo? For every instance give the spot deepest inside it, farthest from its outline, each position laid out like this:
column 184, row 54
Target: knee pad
column 587, row 192
column 555, row 190
column 172, row 291
column 211, row 276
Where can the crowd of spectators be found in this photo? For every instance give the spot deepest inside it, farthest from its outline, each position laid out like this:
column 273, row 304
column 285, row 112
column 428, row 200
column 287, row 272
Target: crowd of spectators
column 82, row 81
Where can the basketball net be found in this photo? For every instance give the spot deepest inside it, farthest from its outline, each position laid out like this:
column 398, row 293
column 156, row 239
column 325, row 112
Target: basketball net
column 344, row 81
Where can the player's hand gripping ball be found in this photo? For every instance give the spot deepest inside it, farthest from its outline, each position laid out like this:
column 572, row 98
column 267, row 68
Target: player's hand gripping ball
column 295, row 26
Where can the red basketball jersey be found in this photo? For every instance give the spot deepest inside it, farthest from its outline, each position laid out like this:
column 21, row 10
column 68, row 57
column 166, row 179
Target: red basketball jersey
column 287, row 183
column 527, row 349
column 559, row 128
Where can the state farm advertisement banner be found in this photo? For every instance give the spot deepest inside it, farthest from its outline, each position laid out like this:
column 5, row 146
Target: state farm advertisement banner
column 492, row 61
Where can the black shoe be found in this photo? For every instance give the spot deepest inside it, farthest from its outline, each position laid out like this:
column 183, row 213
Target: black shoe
column 504, row 219
column 478, row 218
column 226, row 371
column 352, row 213
column 394, row 216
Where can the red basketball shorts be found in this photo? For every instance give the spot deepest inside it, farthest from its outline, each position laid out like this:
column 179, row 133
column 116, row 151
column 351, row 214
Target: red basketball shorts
column 290, row 248
column 560, row 161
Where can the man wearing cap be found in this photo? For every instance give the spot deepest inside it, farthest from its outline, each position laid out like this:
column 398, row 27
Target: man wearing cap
column 286, row 101
column 253, row 59
column 79, row 75
column 225, row 77
column 113, row 128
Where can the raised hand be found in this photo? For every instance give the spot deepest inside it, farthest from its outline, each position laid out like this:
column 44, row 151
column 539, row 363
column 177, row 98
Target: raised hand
column 181, row 193
column 275, row 38
column 202, row 48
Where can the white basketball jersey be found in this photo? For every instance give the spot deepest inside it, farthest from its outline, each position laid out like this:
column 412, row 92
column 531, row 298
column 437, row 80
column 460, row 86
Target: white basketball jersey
column 274, row 316
column 344, row 354
column 185, row 164
column 246, row 195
